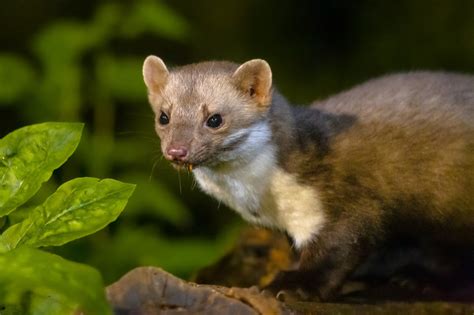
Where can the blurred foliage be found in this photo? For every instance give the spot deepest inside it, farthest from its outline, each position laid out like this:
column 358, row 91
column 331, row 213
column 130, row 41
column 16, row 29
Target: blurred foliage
column 51, row 285
column 16, row 78
column 81, row 61
column 73, row 74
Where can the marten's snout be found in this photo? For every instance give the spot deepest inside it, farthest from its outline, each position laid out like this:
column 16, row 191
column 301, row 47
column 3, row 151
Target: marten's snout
column 177, row 153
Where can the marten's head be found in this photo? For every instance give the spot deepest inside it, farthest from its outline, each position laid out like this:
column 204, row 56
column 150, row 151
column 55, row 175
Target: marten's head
column 210, row 113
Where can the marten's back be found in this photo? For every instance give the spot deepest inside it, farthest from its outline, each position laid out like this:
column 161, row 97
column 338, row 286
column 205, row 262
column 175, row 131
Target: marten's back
column 437, row 96
column 411, row 147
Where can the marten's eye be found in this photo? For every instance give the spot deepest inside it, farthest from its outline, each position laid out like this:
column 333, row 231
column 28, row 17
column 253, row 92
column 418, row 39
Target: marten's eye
column 164, row 119
column 214, row 121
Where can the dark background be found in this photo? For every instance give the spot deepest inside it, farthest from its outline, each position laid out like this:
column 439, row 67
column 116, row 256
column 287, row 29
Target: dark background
column 81, row 61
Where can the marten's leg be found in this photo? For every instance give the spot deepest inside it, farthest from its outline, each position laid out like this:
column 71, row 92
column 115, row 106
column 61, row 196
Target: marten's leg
column 331, row 257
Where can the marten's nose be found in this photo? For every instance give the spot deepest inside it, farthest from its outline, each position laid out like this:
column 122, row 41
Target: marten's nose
column 178, row 153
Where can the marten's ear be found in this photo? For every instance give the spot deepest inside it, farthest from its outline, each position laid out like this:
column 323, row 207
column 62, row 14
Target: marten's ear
column 155, row 74
column 254, row 78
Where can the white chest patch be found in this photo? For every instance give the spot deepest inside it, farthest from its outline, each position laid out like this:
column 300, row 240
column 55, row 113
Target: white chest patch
column 265, row 194
column 296, row 208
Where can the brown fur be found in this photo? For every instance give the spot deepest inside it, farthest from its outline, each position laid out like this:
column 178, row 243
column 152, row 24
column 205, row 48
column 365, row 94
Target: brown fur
column 403, row 166
column 390, row 158
column 410, row 149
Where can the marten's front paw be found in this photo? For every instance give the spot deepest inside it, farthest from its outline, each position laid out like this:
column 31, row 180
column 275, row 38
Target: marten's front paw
column 297, row 295
column 288, row 287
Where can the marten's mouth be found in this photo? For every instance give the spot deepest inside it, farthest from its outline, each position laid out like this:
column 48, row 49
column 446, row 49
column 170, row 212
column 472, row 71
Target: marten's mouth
column 190, row 164
column 179, row 165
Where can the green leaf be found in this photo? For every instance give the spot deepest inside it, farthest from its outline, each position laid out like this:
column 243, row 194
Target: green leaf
column 28, row 157
column 36, row 282
column 79, row 207
column 64, row 42
column 156, row 200
column 16, row 78
column 154, row 17
column 120, row 77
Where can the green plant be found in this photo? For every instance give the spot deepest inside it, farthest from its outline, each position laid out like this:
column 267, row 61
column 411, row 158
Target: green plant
column 89, row 69
column 35, row 281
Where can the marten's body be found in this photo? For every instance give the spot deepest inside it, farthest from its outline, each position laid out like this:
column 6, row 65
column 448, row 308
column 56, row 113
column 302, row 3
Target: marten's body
column 392, row 157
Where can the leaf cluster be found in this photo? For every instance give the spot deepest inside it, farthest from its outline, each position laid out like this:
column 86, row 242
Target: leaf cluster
column 35, row 281
column 88, row 68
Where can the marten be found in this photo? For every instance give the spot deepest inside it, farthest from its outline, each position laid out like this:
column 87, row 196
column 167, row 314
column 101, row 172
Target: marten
column 392, row 157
